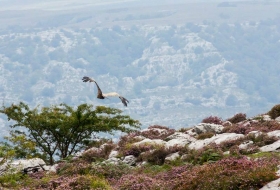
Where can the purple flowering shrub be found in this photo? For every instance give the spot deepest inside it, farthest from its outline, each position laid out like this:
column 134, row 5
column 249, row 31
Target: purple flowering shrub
column 155, row 156
column 262, row 139
column 213, row 120
column 76, row 182
column 237, row 118
column 245, row 128
column 157, row 132
column 110, row 171
column 138, row 182
column 229, row 173
column 74, row 168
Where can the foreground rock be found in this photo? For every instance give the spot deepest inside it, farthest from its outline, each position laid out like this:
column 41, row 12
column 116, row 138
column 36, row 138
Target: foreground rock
column 27, row 166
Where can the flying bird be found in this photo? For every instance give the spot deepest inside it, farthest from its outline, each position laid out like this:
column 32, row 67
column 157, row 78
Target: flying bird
column 101, row 95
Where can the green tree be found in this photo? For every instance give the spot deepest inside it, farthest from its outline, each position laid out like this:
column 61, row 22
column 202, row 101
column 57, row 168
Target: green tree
column 61, row 130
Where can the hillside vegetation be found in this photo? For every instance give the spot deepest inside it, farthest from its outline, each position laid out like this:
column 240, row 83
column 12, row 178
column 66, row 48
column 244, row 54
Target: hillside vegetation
column 239, row 163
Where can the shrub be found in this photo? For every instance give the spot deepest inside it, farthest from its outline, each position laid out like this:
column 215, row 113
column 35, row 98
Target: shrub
column 110, row 171
column 138, row 182
column 77, row 167
column 274, row 112
column 262, row 139
column 212, row 119
column 205, row 135
column 79, row 182
column 10, row 180
column 231, row 173
column 237, row 128
column 127, row 139
column 237, row 118
column 155, row 156
column 157, row 132
column 251, row 149
column 136, row 150
column 207, row 154
column 226, row 145
column 265, row 126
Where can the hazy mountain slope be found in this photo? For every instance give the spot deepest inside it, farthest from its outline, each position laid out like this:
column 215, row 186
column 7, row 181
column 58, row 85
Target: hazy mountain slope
column 173, row 75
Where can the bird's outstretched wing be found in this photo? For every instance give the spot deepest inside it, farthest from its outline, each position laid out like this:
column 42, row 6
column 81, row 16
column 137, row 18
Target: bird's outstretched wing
column 99, row 92
column 124, row 101
column 87, row 79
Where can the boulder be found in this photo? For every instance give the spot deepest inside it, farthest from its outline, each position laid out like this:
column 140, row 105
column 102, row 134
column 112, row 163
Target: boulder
column 273, row 185
column 208, row 127
column 275, row 133
column 177, row 142
column 113, row 154
column 255, row 133
column 130, row 160
column 151, row 142
column 112, row 160
column 179, row 139
column 180, row 135
column 160, row 131
column 245, row 145
column 23, row 164
column 52, row 168
column 277, row 119
column 214, row 139
column 171, row 157
column 271, row 147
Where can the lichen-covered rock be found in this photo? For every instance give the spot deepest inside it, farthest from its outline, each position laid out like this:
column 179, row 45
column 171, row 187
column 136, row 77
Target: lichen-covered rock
column 208, row 127
column 171, row 157
column 245, row 145
column 151, row 141
column 271, row 147
column 130, row 160
column 112, row 161
column 275, row 133
column 215, row 139
column 177, row 142
column 273, row 185
column 113, row 154
column 180, row 135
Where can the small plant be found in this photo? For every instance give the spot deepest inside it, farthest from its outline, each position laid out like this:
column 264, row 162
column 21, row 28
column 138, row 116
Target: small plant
column 205, row 135
column 237, row 118
column 274, row 112
column 212, row 119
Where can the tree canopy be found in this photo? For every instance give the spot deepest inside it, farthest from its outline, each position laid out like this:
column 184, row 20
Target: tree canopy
column 61, row 130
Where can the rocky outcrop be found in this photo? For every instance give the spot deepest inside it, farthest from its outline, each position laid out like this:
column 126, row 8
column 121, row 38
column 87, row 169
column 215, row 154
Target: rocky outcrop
column 198, row 144
column 207, row 127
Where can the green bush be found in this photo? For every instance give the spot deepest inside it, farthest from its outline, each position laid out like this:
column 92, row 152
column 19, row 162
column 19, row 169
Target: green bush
column 274, row 112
